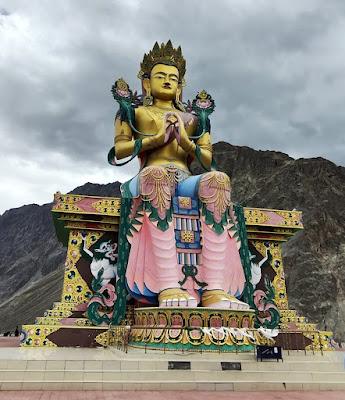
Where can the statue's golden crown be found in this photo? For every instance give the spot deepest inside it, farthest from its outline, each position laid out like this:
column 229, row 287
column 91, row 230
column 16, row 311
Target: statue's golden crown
column 163, row 54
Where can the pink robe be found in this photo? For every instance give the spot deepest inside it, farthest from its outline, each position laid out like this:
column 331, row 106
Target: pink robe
column 153, row 264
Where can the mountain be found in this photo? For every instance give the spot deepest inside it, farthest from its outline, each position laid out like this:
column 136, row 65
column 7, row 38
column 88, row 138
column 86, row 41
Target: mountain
column 31, row 259
column 313, row 258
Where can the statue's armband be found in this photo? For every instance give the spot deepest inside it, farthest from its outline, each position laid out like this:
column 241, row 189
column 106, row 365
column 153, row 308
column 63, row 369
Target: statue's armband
column 202, row 106
column 124, row 96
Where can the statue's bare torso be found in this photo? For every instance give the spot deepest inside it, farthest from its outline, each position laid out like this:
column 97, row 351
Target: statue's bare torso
column 150, row 120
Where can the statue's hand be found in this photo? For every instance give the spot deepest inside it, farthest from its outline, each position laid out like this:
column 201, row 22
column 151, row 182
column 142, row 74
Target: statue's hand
column 160, row 137
column 155, row 141
column 165, row 134
column 183, row 138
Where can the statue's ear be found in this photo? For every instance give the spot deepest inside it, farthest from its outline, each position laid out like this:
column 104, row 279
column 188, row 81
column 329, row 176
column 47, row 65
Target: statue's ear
column 178, row 99
column 147, row 85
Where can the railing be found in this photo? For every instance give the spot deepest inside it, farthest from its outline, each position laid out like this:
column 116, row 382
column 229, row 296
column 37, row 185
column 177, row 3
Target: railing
column 118, row 336
column 122, row 336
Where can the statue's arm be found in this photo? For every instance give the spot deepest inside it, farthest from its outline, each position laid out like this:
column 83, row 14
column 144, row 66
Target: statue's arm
column 202, row 148
column 205, row 146
column 124, row 141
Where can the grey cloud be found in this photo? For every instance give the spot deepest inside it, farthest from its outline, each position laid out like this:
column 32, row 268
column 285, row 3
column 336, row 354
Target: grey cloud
column 305, row 129
column 4, row 12
column 273, row 68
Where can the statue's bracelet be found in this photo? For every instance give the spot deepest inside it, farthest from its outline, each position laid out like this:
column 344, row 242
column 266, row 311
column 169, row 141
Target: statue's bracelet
column 192, row 147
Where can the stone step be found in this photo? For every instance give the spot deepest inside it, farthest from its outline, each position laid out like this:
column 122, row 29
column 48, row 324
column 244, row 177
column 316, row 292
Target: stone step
column 171, row 375
column 293, row 366
column 110, row 369
column 213, row 365
column 114, row 370
column 173, row 385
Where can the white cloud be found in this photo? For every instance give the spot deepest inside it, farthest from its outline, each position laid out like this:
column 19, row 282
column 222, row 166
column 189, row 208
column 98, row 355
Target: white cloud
column 36, row 181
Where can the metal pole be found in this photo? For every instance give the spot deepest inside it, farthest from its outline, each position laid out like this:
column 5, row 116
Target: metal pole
column 312, row 343
column 320, row 343
column 304, row 346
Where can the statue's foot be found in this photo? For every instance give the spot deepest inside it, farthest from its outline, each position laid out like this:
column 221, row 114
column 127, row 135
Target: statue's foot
column 220, row 299
column 176, row 298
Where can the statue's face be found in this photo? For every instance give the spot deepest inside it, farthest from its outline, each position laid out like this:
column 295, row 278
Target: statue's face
column 164, row 81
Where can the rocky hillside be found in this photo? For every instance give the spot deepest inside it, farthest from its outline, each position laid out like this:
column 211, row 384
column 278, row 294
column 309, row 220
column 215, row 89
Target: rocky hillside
column 314, row 259
column 31, row 259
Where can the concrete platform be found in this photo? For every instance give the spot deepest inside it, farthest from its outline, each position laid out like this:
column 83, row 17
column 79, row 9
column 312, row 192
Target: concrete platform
column 113, row 370
column 148, row 395
column 9, row 341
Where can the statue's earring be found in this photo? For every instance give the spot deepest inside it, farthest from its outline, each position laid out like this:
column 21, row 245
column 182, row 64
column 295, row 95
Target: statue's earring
column 148, row 99
column 178, row 102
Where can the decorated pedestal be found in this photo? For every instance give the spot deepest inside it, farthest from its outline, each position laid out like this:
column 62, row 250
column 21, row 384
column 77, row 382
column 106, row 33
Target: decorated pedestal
column 88, row 226
column 185, row 329
column 80, row 222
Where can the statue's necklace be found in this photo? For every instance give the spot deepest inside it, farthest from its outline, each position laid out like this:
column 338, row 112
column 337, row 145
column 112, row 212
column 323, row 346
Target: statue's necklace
column 163, row 108
column 160, row 110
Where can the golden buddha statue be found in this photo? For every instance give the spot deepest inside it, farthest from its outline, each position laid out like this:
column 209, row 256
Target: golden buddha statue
column 183, row 242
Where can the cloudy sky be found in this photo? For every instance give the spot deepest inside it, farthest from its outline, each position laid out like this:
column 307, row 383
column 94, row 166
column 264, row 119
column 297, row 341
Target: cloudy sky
column 275, row 68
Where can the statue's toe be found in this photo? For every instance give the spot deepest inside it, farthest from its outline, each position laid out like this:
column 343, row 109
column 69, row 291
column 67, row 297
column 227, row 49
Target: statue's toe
column 220, row 299
column 176, row 298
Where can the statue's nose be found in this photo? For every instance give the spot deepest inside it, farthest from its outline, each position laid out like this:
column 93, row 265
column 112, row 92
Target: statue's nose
column 167, row 84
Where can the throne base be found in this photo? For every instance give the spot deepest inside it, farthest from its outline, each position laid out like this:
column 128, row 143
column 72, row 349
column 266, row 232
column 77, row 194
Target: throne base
column 197, row 329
